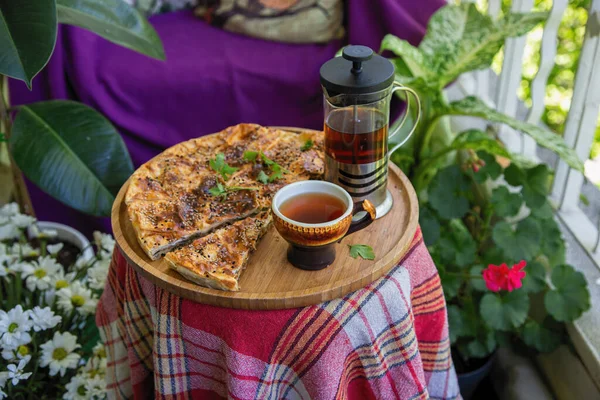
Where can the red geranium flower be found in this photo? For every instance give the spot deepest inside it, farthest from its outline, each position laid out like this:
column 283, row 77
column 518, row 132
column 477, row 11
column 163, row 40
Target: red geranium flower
column 500, row 277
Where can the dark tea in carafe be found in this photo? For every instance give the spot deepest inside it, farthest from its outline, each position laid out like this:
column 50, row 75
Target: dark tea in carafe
column 356, row 135
column 313, row 208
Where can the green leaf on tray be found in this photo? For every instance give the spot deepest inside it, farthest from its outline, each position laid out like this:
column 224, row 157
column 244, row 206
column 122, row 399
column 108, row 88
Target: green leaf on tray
column 27, row 37
column 262, row 177
column 217, row 190
column 362, row 250
column 72, row 153
column 250, row 156
column 472, row 106
column 114, row 20
column 504, row 311
column 541, row 337
column 219, row 165
column 535, row 278
column 506, row 204
column 307, row 145
column 447, row 193
column 520, row 243
column 570, row 298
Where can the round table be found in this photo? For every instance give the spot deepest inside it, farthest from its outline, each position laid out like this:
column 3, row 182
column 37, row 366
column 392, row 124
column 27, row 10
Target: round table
column 388, row 340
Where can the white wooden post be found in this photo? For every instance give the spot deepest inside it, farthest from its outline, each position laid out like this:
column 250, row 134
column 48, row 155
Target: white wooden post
column 510, row 79
column 538, row 86
column 581, row 121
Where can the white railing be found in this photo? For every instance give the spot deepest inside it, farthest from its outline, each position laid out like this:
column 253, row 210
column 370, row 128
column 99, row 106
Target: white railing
column 582, row 118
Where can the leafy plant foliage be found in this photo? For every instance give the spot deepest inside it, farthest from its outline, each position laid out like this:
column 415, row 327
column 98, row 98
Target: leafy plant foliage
column 480, row 204
column 69, row 150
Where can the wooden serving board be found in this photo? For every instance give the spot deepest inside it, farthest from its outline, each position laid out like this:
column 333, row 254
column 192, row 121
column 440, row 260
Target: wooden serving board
column 270, row 281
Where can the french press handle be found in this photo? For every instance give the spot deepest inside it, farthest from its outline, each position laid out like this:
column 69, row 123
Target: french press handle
column 409, row 91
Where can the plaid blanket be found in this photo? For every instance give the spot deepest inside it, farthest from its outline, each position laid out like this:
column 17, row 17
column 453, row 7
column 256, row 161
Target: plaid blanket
column 388, row 340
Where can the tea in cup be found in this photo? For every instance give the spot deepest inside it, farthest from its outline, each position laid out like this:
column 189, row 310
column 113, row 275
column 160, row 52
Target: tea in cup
column 312, row 216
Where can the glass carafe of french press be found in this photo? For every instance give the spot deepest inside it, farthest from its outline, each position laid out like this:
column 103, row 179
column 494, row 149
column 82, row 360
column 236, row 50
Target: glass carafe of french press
column 358, row 88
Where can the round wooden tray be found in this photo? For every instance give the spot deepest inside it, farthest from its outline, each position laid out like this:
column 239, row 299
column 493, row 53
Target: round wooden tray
column 270, row 281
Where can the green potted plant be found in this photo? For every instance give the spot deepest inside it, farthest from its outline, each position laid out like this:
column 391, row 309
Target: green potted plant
column 45, row 138
column 485, row 215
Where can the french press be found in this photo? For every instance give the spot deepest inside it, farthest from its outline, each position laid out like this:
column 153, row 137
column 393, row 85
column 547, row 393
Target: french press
column 358, row 87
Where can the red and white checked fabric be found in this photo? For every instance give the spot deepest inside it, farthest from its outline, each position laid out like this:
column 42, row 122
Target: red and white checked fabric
column 388, row 340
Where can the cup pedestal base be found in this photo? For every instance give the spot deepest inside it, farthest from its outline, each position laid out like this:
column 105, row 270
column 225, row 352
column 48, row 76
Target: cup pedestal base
column 311, row 258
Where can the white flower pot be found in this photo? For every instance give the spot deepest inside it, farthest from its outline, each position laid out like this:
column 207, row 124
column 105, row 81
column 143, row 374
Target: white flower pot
column 71, row 235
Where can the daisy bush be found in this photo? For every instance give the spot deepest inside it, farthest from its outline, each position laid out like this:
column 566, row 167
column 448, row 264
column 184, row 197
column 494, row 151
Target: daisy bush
column 48, row 337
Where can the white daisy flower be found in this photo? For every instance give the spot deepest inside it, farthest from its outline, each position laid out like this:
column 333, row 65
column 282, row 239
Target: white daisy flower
column 9, row 231
column 98, row 273
column 44, row 318
column 84, row 260
column 99, row 350
column 96, row 386
column 24, row 250
column 76, row 388
column 38, row 273
column 60, row 280
column 22, row 221
column 14, row 327
column 15, row 371
column 9, row 209
column 77, row 297
column 34, row 232
column 59, row 353
column 16, row 354
column 105, row 243
column 54, row 248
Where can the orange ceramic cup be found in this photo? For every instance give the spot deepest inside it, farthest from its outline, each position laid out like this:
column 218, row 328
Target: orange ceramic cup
column 312, row 245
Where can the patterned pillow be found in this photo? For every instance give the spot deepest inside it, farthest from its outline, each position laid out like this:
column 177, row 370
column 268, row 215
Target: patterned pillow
column 150, row 7
column 294, row 21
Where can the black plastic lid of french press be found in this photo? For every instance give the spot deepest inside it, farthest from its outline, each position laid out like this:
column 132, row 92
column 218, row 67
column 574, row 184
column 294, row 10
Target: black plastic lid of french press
column 359, row 70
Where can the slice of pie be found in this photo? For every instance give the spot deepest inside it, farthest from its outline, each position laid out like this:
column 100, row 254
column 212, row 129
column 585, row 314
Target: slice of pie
column 218, row 259
column 171, row 199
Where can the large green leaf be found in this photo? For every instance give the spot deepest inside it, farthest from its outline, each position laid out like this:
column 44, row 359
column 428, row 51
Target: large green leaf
column 570, row 298
column 460, row 38
column 447, row 193
column 504, row 312
column 543, row 337
column 535, row 183
column 71, row 152
column 27, row 37
column 460, row 325
column 506, row 204
column 457, row 246
column 521, row 242
column 412, row 56
column 472, row 106
column 477, row 140
column 535, row 278
column 114, row 20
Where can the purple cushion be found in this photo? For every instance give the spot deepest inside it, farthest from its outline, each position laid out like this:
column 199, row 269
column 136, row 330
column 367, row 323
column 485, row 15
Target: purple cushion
column 211, row 79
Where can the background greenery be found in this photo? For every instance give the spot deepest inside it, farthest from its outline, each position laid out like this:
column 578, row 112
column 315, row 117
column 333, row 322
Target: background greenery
column 561, row 80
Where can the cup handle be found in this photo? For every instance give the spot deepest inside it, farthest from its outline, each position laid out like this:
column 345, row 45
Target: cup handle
column 366, row 220
column 409, row 91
